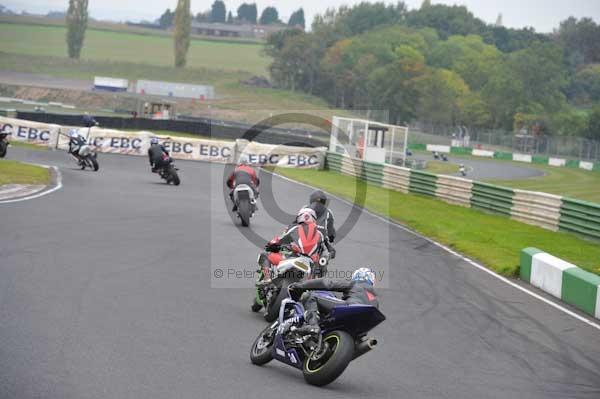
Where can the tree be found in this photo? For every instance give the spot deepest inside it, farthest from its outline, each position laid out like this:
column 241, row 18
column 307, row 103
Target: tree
column 166, row 19
column 218, row 12
column 585, row 86
column 593, row 130
column 297, row 19
column 247, row 13
column 269, row 16
column 447, row 20
column 442, row 95
column 581, row 36
column 181, row 33
column 77, row 18
column 230, row 19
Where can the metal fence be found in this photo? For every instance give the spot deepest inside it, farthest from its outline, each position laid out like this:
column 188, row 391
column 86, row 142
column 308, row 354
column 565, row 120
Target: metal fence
column 498, row 140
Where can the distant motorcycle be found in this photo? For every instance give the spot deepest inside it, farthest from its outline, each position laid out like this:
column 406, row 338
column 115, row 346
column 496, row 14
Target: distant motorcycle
column 3, row 144
column 243, row 197
column 321, row 358
column 169, row 171
column 462, row 170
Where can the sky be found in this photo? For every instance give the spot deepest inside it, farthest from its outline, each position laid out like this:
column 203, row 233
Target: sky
column 543, row 15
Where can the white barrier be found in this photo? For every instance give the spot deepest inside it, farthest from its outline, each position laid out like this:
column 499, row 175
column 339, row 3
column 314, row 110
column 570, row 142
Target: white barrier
column 438, row 148
column 483, row 153
column 195, row 149
column 586, row 165
column 29, row 132
column 522, row 158
column 557, row 162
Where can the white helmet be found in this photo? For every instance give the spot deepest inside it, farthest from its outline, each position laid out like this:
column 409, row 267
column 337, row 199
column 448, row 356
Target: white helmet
column 306, row 215
column 364, row 274
column 73, row 133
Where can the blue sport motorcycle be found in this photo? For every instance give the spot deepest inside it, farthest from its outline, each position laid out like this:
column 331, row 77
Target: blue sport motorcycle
column 323, row 357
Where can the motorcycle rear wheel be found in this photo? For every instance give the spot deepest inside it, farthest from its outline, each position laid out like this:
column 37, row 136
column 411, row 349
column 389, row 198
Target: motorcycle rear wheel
column 331, row 364
column 94, row 163
column 244, row 210
column 174, row 176
column 3, row 148
column 261, row 348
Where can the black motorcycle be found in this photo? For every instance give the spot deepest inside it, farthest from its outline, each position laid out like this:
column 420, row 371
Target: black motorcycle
column 169, row 172
column 3, row 144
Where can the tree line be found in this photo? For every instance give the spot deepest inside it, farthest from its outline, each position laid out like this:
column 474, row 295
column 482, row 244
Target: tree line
column 245, row 13
column 442, row 66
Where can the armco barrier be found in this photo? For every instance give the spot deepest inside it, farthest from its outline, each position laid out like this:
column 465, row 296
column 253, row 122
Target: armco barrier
column 548, row 211
column 539, row 159
column 561, row 279
column 506, row 156
column 492, row 198
column 422, row 183
column 580, row 217
column 461, row 150
column 539, row 209
column 454, row 190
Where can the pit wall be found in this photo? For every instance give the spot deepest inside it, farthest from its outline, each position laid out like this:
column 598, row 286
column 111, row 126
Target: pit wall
column 551, row 212
column 509, row 156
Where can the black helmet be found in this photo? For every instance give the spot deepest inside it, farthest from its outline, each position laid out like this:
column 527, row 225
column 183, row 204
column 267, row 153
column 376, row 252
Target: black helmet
column 318, row 196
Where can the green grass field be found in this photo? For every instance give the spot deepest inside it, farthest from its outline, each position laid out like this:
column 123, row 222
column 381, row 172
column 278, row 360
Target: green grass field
column 441, row 168
column 574, row 183
column 493, row 240
column 134, row 48
column 13, row 172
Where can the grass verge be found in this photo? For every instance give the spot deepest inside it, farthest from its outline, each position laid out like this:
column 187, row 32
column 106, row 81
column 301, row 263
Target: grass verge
column 493, row 240
column 13, row 172
column 441, row 168
column 28, row 146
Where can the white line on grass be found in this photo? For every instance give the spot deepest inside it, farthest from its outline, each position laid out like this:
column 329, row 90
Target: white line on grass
column 58, row 186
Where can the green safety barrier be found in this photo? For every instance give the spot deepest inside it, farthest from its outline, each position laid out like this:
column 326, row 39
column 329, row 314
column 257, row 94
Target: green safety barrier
column 597, row 167
column 422, row 183
column 492, row 198
column 539, row 159
column 461, row 150
column 372, row 172
column 507, row 156
column 334, row 161
column 580, row 217
column 572, row 163
column 417, row 147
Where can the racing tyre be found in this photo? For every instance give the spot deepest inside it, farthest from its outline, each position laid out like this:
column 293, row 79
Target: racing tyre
column 3, row 147
column 329, row 363
column 174, row 178
column 95, row 164
column 263, row 344
column 244, row 210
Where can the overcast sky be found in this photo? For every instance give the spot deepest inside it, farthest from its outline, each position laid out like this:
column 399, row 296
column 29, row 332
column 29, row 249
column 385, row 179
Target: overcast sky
column 543, row 15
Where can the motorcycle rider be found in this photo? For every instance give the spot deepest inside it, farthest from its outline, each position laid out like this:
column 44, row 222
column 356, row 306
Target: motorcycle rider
column 155, row 155
column 462, row 170
column 243, row 174
column 318, row 202
column 76, row 141
column 359, row 290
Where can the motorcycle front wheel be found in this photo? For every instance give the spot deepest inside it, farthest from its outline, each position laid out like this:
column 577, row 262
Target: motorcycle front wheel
column 263, row 344
column 272, row 308
column 328, row 363
column 3, row 147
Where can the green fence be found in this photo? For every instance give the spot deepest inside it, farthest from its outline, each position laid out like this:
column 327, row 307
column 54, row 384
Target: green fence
column 417, row 147
column 422, row 183
column 580, row 217
column 572, row 163
column 492, row 198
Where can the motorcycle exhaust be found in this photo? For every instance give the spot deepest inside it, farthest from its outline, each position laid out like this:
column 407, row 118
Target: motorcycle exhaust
column 323, row 261
column 364, row 346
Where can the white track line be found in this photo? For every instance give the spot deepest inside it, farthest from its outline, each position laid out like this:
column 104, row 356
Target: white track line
column 58, row 186
column 464, row 258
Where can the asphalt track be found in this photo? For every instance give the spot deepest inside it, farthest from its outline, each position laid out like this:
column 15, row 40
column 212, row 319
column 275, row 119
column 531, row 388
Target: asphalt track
column 105, row 292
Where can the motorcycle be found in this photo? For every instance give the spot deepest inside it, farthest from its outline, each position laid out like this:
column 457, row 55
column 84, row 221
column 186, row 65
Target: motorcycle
column 169, row 171
column 462, row 171
column 3, row 144
column 275, row 275
column 87, row 158
column 243, row 197
column 321, row 358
